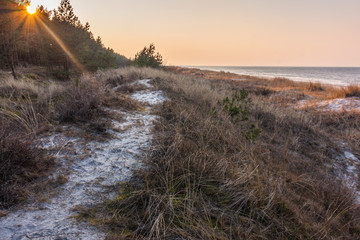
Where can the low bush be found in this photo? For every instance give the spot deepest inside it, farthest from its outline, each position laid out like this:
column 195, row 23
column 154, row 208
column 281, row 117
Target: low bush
column 80, row 101
column 236, row 106
column 21, row 164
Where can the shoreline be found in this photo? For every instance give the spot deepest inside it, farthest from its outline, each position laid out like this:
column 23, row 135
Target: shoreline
column 269, row 75
column 302, row 95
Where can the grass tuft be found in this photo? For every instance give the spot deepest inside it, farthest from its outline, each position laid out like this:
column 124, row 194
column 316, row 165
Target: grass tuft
column 22, row 163
column 352, row 91
column 79, row 102
column 315, row 87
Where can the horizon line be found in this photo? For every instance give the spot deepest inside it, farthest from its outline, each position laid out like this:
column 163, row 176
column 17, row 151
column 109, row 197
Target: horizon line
column 267, row 66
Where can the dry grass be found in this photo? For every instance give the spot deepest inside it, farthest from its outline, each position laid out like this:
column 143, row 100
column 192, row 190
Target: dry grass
column 206, row 179
column 32, row 105
column 130, row 88
column 283, row 82
column 79, row 101
column 343, row 125
column 23, row 88
column 25, row 116
column 345, row 92
column 116, row 77
column 285, row 90
column 315, row 87
column 209, row 174
column 352, row 91
column 22, row 163
column 28, row 103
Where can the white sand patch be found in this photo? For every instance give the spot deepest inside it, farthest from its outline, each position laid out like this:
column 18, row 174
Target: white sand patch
column 348, row 167
column 94, row 168
column 340, row 104
column 351, row 174
column 350, row 156
column 336, row 105
column 149, row 97
column 145, row 82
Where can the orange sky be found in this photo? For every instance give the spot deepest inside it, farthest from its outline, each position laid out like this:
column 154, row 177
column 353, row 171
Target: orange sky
column 229, row 32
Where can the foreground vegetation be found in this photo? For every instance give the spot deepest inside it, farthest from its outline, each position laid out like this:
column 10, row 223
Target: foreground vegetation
column 33, row 105
column 227, row 167
column 228, row 161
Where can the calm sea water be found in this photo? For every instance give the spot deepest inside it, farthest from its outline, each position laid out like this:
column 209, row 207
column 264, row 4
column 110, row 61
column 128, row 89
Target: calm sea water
column 331, row 75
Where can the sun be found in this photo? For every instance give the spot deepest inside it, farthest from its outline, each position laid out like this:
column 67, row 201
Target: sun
column 31, row 9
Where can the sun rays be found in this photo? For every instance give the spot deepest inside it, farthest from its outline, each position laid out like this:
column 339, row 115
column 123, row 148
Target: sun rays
column 28, row 18
column 63, row 46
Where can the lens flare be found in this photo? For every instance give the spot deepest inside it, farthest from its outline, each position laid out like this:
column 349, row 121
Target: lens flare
column 63, row 46
column 31, row 9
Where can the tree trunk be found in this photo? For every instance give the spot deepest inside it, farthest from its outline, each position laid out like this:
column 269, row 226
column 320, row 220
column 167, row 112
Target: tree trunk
column 12, row 66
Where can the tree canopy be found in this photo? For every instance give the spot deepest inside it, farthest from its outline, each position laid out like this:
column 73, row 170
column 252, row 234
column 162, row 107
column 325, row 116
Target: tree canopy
column 55, row 39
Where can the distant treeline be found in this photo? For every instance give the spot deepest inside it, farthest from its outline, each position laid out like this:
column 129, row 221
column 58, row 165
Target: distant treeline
column 55, row 39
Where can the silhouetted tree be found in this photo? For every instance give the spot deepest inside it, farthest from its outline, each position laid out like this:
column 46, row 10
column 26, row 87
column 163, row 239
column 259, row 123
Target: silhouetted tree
column 65, row 13
column 87, row 27
column 148, row 58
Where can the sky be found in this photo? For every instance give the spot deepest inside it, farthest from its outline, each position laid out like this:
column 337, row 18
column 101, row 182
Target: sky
column 228, row 32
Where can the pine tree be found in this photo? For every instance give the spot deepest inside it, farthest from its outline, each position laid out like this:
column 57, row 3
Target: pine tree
column 99, row 41
column 148, row 58
column 87, row 27
column 65, row 13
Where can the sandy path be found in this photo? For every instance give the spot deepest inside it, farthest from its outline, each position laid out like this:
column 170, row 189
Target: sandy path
column 93, row 166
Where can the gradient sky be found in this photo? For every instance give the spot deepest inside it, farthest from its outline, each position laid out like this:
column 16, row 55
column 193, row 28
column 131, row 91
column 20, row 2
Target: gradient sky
column 229, row 32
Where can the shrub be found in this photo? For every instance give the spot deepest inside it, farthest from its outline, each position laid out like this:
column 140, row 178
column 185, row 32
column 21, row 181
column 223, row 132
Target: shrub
column 148, row 58
column 21, row 163
column 236, row 107
column 79, row 101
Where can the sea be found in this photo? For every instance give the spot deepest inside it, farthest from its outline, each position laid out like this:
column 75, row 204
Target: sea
column 341, row 76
